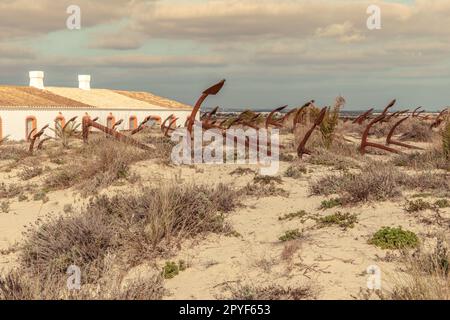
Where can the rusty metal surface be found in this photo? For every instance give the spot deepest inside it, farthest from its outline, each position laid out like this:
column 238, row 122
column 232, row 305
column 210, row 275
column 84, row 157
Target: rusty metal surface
column 270, row 121
column 41, row 143
column 170, row 128
column 301, row 147
column 439, row 119
column 210, row 91
column 33, row 137
column 87, row 123
column 300, row 114
column 365, row 143
column 389, row 139
column 361, row 118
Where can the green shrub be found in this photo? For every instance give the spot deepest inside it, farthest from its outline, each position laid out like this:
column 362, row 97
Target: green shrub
column 295, row 171
column 290, row 235
column 394, row 238
column 41, row 196
column 442, row 203
column 5, row 206
column 170, row 270
column 343, row 220
column 417, row 205
column 446, row 138
column 267, row 180
column 293, row 215
column 329, row 204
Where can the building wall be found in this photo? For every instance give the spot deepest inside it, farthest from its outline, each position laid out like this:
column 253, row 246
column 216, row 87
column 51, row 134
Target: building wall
column 13, row 121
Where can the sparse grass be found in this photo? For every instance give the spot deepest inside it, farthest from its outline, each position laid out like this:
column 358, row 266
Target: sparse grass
column 430, row 159
column 41, row 196
column 421, row 205
column 343, row 220
column 267, row 180
column 425, row 276
column 422, row 195
column 419, row 131
column 287, row 157
column 290, row 248
column 330, row 158
column 171, row 270
column 394, row 238
column 10, row 191
column 291, row 235
column 295, row 171
column 417, row 205
column 5, row 206
column 15, row 153
column 293, row 215
column 242, row 171
column 265, row 186
column 331, row 203
column 105, row 161
column 273, row 292
column 30, row 172
column 131, row 227
column 17, row 286
column 446, row 138
column 68, row 208
column 377, row 182
column 442, row 203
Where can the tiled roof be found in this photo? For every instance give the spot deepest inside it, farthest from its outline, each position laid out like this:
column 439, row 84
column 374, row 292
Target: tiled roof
column 155, row 100
column 14, row 97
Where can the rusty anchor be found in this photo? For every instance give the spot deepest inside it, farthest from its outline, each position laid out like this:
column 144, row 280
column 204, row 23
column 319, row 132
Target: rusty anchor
column 365, row 143
column 301, row 147
column 439, row 119
column 270, row 121
column 210, row 91
column 33, row 137
column 299, row 113
column 363, row 117
column 389, row 139
column 87, row 123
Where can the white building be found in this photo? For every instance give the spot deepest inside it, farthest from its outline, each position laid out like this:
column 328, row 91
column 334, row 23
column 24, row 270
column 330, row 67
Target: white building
column 24, row 108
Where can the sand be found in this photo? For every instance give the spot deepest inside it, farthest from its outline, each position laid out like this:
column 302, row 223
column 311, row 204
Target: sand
column 331, row 260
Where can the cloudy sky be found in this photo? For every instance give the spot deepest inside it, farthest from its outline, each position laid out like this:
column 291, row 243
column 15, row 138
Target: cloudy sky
column 272, row 52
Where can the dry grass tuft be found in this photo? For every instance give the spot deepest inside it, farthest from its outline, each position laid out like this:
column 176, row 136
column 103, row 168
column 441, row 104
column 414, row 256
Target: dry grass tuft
column 131, row 227
column 377, row 182
column 104, row 162
column 425, row 277
column 273, row 292
column 325, row 157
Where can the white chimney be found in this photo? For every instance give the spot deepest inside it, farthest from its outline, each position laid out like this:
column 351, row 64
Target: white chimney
column 37, row 79
column 84, row 81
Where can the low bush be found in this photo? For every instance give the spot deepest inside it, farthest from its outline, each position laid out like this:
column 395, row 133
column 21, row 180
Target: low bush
column 417, row 205
column 377, row 182
column 394, row 238
column 425, row 276
column 295, row 171
column 131, row 227
column 329, row 204
column 248, row 292
column 343, row 220
column 291, row 235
